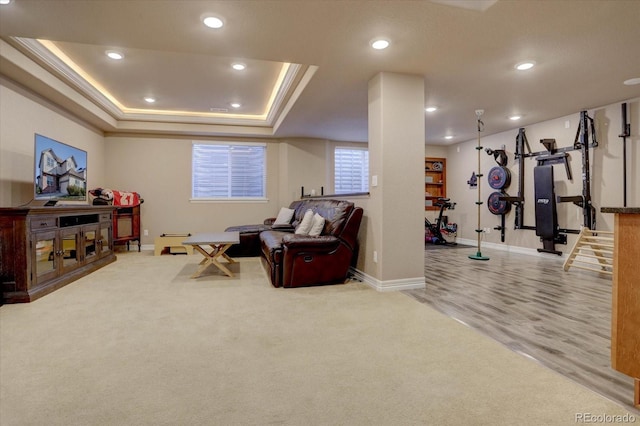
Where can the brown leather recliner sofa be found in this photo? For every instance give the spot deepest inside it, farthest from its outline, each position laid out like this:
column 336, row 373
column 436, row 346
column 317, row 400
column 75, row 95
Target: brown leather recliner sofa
column 294, row 260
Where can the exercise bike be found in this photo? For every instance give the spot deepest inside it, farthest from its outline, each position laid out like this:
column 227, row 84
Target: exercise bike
column 433, row 231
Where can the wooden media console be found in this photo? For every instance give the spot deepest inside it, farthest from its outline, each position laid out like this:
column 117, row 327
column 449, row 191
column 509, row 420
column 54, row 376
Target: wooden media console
column 45, row 248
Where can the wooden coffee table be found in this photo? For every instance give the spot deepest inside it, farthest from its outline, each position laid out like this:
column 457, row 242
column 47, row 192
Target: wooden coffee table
column 219, row 243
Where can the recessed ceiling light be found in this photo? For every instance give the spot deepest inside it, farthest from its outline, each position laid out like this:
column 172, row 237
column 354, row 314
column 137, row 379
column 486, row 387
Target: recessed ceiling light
column 515, row 117
column 213, row 22
column 5, row 1
column 236, row 105
column 448, row 137
column 114, row 55
column 431, row 109
column 380, row 44
column 632, row 81
column 149, row 99
column 526, row 65
column 238, row 66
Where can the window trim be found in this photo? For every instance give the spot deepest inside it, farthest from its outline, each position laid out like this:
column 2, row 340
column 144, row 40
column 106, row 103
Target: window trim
column 352, row 148
column 205, row 200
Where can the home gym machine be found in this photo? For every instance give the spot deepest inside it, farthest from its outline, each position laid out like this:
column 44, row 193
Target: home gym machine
column 546, row 200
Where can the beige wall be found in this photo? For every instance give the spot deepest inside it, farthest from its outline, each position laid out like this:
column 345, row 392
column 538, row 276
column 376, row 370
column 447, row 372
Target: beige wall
column 305, row 162
column 160, row 170
column 438, row 151
column 308, row 163
column 23, row 114
column 606, row 176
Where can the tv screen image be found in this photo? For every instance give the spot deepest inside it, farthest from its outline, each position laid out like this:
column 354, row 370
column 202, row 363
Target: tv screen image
column 60, row 171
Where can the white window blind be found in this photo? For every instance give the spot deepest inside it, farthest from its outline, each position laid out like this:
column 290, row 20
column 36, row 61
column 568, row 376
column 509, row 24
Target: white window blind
column 228, row 171
column 351, row 173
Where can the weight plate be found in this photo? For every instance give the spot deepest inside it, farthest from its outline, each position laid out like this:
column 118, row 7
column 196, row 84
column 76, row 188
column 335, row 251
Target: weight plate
column 499, row 177
column 496, row 205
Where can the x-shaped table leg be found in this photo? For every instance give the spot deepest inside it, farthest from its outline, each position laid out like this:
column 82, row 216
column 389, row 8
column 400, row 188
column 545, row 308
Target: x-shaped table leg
column 211, row 257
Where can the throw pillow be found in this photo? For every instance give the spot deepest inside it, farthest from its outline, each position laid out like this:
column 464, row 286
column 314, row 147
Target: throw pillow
column 306, row 223
column 318, row 225
column 284, row 216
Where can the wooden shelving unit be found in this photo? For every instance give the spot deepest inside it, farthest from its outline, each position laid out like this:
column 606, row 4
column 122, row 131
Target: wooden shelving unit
column 126, row 225
column 435, row 181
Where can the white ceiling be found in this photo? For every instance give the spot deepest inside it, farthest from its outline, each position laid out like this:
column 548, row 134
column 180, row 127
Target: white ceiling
column 584, row 50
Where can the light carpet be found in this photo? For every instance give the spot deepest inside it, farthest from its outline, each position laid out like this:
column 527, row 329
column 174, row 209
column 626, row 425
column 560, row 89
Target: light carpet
column 140, row 343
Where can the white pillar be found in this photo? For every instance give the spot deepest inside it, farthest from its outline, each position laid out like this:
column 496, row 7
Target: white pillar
column 396, row 160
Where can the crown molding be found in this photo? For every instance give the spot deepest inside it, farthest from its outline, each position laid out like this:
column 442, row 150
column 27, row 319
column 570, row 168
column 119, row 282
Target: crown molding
column 287, row 90
column 43, row 55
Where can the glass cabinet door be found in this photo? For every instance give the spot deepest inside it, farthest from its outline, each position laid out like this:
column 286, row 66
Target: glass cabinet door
column 70, row 248
column 91, row 242
column 105, row 233
column 46, row 255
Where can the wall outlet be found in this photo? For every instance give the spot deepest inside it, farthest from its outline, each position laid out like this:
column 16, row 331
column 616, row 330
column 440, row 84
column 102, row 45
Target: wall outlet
column 375, row 256
column 146, row 232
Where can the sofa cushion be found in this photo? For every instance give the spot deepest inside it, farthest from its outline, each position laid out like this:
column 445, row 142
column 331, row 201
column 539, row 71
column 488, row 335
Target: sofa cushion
column 305, row 225
column 299, row 208
column 284, row 216
column 317, row 227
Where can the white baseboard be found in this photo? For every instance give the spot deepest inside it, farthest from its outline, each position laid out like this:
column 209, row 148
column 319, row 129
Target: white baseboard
column 389, row 285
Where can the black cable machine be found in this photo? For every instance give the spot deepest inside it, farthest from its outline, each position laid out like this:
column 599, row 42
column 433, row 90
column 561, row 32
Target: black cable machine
column 581, row 142
column 547, row 227
column 518, row 201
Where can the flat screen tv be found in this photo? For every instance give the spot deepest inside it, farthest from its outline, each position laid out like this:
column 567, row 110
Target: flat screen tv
column 60, row 171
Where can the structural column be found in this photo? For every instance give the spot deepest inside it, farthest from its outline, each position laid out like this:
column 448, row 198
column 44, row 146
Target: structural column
column 395, row 234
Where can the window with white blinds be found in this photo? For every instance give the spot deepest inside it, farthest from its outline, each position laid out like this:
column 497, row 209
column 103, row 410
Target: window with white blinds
column 351, row 170
column 228, row 171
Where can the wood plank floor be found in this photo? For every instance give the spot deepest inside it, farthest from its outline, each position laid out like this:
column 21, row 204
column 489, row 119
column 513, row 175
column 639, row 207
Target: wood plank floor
column 528, row 303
